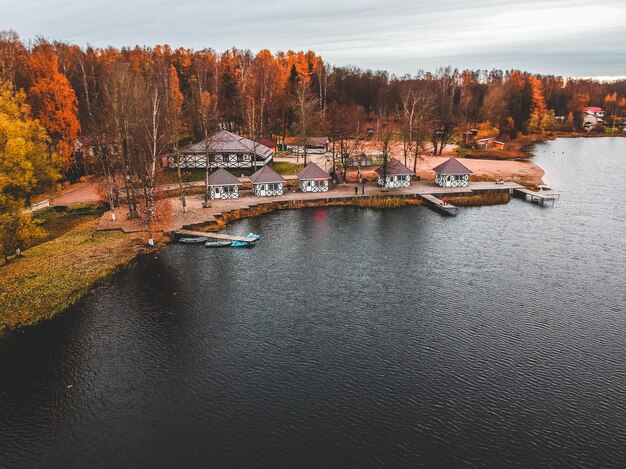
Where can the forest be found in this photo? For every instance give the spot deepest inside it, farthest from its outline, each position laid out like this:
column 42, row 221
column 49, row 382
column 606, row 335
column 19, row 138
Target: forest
column 131, row 106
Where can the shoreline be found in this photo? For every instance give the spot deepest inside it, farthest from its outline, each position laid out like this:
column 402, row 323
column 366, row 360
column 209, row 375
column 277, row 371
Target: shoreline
column 128, row 247
column 125, row 246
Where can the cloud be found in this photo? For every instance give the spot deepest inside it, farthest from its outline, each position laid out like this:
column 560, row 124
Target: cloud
column 402, row 36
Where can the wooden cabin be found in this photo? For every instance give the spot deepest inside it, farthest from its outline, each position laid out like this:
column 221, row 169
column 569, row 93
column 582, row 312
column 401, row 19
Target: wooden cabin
column 266, row 182
column 271, row 144
column 485, row 143
column 313, row 179
column 223, row 185
column 592, row 117
column 314, row 145
column 224, row 150
column 396, row 175
column 452, row 173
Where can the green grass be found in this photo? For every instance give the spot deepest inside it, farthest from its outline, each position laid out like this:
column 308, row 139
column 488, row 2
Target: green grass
column 56, row 221
column 170, row 176
column 54, row 275
column 286, row 168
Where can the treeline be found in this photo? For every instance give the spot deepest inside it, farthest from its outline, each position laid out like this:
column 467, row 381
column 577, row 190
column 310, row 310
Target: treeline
column 131, row 106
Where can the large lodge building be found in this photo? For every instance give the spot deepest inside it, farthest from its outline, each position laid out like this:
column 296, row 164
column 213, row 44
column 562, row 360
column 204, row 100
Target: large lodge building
column 224, row 150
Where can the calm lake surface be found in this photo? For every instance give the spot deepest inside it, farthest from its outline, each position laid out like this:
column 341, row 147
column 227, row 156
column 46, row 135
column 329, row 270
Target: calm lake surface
column 349, row 338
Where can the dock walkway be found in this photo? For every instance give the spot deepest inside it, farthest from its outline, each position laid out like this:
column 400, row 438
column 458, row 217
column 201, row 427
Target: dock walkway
column 439, row 205
column 537, row 197
column 197, row 214
column 204, row 234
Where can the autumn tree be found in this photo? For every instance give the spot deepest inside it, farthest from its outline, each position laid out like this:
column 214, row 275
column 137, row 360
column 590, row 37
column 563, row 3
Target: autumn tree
column 306, row 108
column 173, row 102
column 385, row 136
column 13, row 59
column 121, row 87
column 538, row 105
column 153, row 127
column 26, row 168
column 415, row 107
column 204, row 109
column 53, row 100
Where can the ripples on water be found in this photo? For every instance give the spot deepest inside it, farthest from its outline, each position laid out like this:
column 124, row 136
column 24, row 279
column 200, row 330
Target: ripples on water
column 349, row 338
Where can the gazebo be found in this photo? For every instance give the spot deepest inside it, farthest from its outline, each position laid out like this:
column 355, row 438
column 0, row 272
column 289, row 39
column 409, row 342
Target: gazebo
column 313, row 179
column 224, row 150
column 223, row 185
column 267, row 182
column 452, row 173
column 397, row 175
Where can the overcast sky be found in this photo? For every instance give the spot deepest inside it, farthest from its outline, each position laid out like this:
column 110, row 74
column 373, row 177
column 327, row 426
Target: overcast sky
column 566, row 37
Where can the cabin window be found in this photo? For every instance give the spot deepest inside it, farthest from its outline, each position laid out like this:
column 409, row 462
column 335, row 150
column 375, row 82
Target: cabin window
column 229, row 189
column 239, row 158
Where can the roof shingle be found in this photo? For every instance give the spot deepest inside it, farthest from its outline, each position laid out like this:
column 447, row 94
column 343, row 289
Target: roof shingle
column 451, row 166
column 221, row 177
column 266, row 175
column 395, row 168
column 228, row 142
column 313, row 171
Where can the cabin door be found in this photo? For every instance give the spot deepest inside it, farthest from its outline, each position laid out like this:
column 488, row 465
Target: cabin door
column 218, row 192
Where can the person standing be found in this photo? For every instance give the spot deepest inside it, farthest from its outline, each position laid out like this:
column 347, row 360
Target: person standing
column 362, row 188
column 356, row 190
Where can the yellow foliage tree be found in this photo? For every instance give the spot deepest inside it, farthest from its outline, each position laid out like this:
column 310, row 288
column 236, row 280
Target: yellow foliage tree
column 27, row 167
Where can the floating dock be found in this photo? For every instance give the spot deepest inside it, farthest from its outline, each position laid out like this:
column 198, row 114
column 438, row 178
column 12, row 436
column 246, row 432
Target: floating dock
column 542, row 198
column 204, row 234
column 439, row 205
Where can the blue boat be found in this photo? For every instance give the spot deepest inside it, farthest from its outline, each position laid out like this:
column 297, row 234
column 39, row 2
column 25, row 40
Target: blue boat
column 242, row 244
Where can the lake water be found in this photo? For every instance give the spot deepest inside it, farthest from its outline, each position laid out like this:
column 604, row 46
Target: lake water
column 349, row 338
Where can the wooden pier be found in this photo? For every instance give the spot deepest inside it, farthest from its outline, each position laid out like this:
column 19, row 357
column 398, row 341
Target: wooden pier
column 439, row 205
column 542, row 198
column 204, row 234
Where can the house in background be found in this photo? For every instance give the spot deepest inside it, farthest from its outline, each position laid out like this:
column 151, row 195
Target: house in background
column 223, row 185
column 224, row 150
column 592, row 116
column 271, row 144
column 313, row 179
column 314, row 145
column 397, row 175
column 485, row 143
column 267, row 182
column 452, row 173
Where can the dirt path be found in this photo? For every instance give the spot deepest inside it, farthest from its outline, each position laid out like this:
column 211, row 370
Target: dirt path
column 88, row 192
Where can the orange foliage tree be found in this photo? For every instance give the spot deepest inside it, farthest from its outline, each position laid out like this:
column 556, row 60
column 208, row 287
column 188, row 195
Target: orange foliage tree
column 53, row 100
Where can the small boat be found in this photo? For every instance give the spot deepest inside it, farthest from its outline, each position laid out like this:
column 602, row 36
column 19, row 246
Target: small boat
column 253, row 239
column 198, row 240
column 218, row 243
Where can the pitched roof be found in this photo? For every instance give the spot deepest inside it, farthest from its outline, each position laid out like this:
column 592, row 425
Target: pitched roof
column 266, row 175
column 451, row 166
column 313, row 171
column 221, row 177
column 394, row 167
column 228, row 142
column 310, row 141
column 267, row 142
